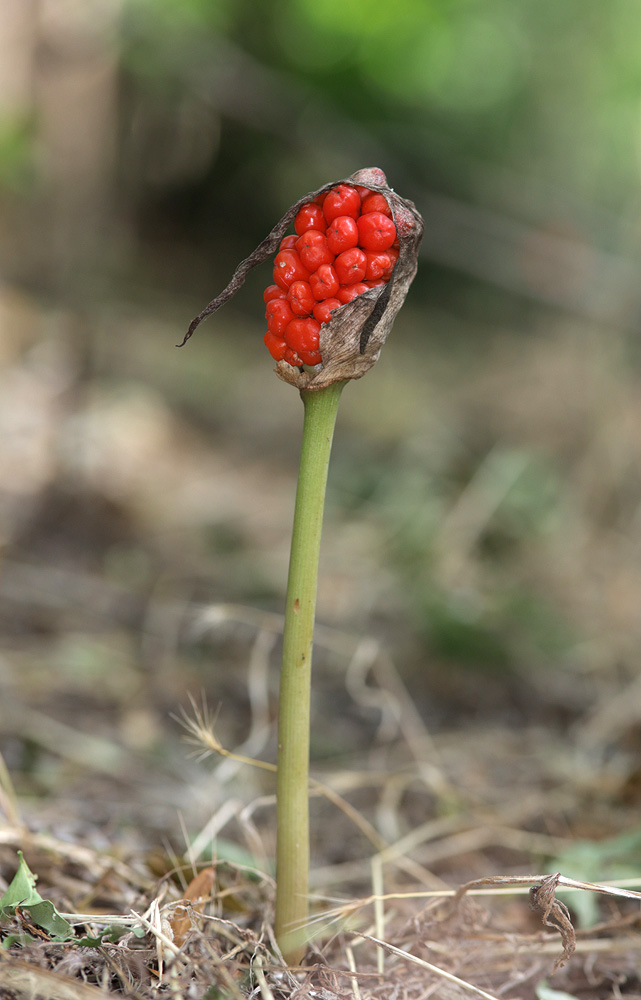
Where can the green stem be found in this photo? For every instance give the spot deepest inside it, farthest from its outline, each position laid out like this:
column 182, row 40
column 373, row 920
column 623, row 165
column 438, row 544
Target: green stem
column 292, row 810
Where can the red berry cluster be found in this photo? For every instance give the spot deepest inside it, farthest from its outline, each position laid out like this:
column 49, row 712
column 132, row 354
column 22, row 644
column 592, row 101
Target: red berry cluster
column 345, row 243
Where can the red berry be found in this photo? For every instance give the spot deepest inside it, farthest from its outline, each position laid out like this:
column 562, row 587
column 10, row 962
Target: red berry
column 302, row 334
column 288, row 267
column 310, row 216
column 342, row 234
column 279, row 313
column 313, row 249
column 300, row 298
column 392, row 253
column 324, row 282
column 349, row 292
column 376, row 203
column 377, row 264
column 273, row 292
column 376, row 231
column 323, row 309
column 346, row 242
column 275, row 346
column 342, row 200
column 350, row 266
column 310, row 357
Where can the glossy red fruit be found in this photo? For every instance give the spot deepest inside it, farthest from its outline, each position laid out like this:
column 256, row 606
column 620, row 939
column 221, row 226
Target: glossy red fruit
column 346, row 243
column 275, row 346
column 313, row 249
column 300, row 298
column 273, row 292
column 324, row 282
column 375, row 203
column 377, row 264
column 288, row 267
column 302, row 334
column 310, row 216
column 322, row 310
column 392, row 253
column 350, row 266
column 310, row 357
column 375, row 231
column 342, row 200
column 349, row 292
column 342, row 234
column 279, row 313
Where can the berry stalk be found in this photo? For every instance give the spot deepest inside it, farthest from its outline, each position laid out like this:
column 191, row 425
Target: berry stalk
column 292, row 810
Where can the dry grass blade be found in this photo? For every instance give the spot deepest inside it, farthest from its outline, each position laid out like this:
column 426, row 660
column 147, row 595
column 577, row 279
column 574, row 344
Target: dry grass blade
column 443, row 973
column 201, row 732
column 352, row 965
column 607, row 890
column 156, row 928
column 265, row 991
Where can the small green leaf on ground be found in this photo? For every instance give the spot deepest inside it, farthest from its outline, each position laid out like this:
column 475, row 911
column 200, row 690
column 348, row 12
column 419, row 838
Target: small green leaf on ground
column 22, row 892
column 111, row 933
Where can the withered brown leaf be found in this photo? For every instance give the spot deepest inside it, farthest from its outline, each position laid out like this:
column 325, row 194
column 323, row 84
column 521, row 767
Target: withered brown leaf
column 555, row 914
column 197, row 892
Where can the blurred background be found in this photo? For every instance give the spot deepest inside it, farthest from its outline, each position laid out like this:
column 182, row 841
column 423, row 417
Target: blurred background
column 480, row 570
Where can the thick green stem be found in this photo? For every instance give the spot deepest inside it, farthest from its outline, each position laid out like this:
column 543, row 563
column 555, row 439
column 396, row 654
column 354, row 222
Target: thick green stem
column 292, row 812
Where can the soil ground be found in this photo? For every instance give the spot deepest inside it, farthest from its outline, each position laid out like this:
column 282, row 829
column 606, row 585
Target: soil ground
column 477, row 691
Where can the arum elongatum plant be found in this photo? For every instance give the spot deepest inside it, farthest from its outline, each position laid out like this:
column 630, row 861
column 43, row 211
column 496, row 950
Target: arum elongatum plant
column 340, row 281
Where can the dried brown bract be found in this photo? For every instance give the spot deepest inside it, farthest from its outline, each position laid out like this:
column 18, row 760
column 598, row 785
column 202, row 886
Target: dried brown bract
column 351, row 342
column 555, row 914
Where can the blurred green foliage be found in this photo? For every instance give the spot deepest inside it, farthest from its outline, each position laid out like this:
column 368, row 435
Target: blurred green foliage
column 17, row 167
column 443, row 85
column 615, row 858
column 527, row 112
column 227, row 111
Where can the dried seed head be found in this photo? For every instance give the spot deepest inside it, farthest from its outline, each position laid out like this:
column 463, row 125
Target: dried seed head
column 350, row 343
